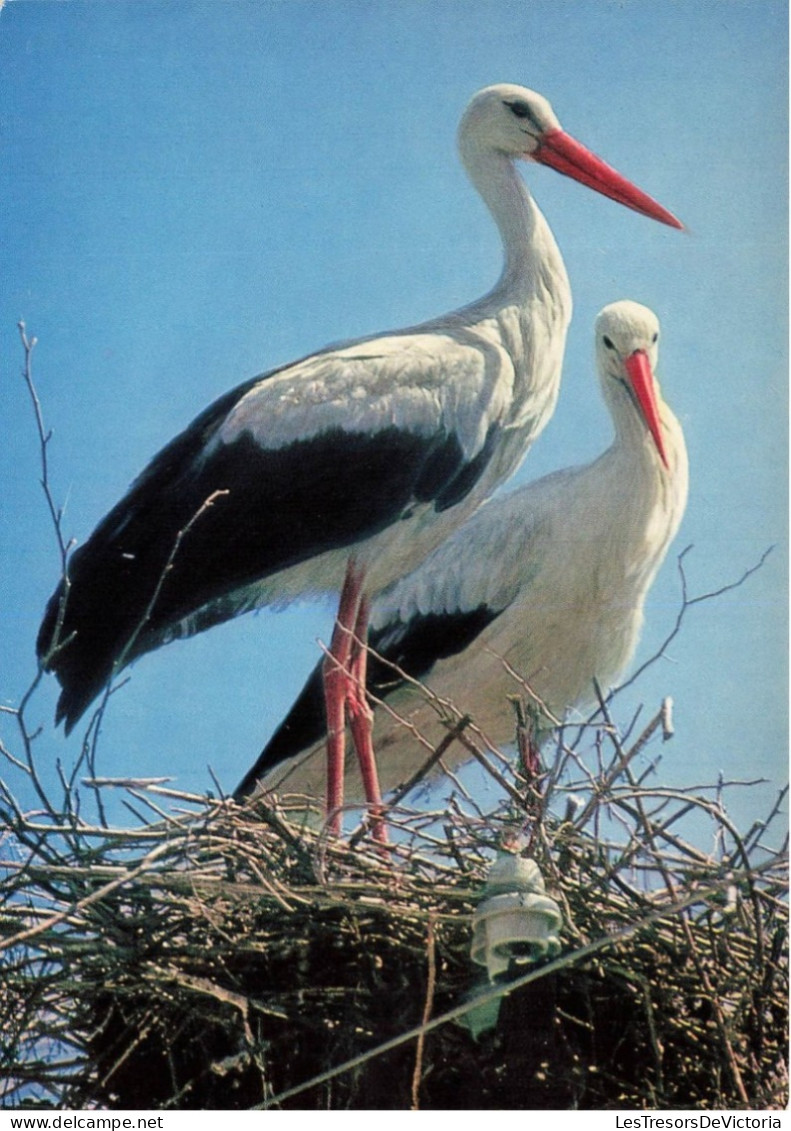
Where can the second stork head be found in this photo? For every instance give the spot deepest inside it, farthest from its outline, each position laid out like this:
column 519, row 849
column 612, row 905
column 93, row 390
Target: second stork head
column 627, row 347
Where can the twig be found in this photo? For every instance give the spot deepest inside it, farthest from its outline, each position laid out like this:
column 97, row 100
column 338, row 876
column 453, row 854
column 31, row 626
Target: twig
column 686, row 603
column 431, row 982
column 94, row 897
column 406, row 787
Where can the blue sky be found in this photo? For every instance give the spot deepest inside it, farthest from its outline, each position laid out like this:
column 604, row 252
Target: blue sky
column 194, row 193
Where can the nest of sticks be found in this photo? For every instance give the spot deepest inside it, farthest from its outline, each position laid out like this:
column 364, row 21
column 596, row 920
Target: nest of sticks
column 218, row 956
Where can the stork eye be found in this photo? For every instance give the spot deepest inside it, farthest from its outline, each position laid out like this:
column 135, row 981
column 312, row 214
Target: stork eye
column 655, row 337
column 521, row 109
column 608, row 343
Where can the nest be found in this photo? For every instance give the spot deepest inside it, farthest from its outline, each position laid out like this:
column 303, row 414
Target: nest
column 229, row 957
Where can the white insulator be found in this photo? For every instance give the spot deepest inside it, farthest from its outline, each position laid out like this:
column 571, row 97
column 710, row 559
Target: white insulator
column 517, row 920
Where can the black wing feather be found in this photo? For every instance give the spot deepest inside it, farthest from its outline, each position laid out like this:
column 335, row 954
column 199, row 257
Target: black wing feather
column 281, row 507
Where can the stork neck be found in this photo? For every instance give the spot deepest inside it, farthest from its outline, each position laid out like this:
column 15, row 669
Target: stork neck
column 642, row 501
column 528, row 244
column 633, row 445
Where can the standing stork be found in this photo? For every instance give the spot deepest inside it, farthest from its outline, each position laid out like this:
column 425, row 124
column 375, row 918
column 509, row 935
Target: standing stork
column 342, row 471
column 542, row 588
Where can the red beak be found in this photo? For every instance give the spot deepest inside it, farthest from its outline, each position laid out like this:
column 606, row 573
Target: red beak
column 638, row 370
column 561, row 152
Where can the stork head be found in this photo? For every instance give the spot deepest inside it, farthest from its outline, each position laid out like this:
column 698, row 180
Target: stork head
column 517, row 122
column 508, row 118
column 627, row 349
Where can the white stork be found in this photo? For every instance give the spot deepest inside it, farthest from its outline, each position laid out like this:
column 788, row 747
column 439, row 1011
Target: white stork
column 342, row 471
column 541, row 588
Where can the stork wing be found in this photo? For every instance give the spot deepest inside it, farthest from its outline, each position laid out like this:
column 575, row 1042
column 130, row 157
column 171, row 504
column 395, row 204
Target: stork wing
column 438, row 611
column 317, row 456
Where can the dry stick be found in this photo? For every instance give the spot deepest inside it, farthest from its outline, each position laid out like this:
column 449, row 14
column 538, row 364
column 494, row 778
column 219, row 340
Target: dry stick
column 56, row 643
column 622, row 764
column 454, row 848
column 205, row 986
column 149, row 832
column 526, row 688
column 32, row 837
column 719, row 814
column 631, row 977
column 268, row 886
column 461, row 791
column 69, row 811
column 177, row 882
column 715, row 1004
column 406, row 787
column 144, row 1029
column 180, row 536
column 702, row 787
column 431, row 982
column 44, row 437
column 444, row 708
column 126, row 783
column 217, row 785
column 59, row 916
column 89, row 748
column 761, row 826
column 622, row 760
column 27, row 745
column 481, row 758
column 687, row 602
column 687, row 850
column 294, row 843
column 502, row 990
column 89, row 751
column 167, row 818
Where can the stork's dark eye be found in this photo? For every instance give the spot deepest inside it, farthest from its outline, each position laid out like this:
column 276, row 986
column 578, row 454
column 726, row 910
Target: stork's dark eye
column 520, row 109
column 608, row 343
column 655, row 337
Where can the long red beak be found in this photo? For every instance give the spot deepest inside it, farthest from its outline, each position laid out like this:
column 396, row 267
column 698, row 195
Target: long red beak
column 561, row 152
column 638, row 370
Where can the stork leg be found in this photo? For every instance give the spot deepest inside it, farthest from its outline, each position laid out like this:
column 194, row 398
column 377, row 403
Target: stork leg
column 336, row 690
column 527, row 742
column 361, row 718
column 344, row 672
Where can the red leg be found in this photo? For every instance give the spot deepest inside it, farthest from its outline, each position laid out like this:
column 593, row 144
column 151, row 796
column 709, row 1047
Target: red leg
column 336, row 690
column 528, row 746
column 361, row 719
